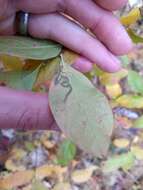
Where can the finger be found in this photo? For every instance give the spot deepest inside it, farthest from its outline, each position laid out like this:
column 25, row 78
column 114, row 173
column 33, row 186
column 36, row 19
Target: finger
column 111, row 4
column 24, row 110
column 82, row 64
column 7, row 17
column 102, row 23
column 40, row 6
column 7, row 26
column 72, row 36
column 7, row 8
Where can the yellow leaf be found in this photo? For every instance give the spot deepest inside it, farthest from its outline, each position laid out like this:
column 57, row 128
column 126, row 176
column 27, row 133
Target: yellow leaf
column 137, row 152
column 47, row 72
column 12, row 166
column 11, row 62
column 16, row 179
column 131, row 18
column 62, row 186
column 130, row 101
column 114, row 78
column 113, row 91
column 50, row 170
column 17, row 154
column 49, row 69
column 121, row 143
column 70, row 56
column 84, row 175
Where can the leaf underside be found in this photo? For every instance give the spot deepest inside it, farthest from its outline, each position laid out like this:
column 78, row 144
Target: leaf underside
column 81, row 111
column 29, row 48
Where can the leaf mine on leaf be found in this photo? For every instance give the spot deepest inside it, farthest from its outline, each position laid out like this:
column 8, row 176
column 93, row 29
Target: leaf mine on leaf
column 81, row 111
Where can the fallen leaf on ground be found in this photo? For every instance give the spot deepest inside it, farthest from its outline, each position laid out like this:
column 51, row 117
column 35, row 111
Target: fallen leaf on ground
column 16, row 179
column 135, row 81
column 131, row 18
column 124, row 161
column 135, row 37
column 138, row 123
column 37, row 185
column 66, row 152
column 121, row 143
column 83, row 175
column 130, row 101
column 50, row 171
column 114, row 78
column 137, row 152
column 62, row 186
column 13, row 166
column 113, row 91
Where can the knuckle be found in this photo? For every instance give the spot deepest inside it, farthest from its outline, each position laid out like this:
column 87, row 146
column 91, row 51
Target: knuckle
column 61, row 5
column 6, row 8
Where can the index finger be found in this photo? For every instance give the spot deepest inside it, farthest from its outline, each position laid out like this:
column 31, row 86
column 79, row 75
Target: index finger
column 111, row 4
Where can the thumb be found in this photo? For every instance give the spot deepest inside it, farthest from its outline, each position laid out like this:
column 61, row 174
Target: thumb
column 24, row 110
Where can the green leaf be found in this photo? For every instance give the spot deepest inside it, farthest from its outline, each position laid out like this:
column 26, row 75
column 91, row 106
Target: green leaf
column 135, row 81
column 124, row 161
column 135, row 38
column 125, row 60
column 29, row 146
column 138, row 123
column 66, row 152
column 20, row 79
column 29, row 48
column 81, row 111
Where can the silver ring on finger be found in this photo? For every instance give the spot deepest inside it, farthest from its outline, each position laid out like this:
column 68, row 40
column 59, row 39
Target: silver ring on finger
column 22, row 20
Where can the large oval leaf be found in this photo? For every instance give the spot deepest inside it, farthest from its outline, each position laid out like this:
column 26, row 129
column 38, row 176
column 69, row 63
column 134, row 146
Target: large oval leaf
column 29, row 48
column 81, row 111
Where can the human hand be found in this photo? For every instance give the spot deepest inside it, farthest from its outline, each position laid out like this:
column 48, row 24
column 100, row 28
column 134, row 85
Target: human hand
column 31, row 110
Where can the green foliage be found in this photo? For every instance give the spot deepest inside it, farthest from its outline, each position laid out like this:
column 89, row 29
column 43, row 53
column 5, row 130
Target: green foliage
column 135, row 81
column 124, row 161
column 125, row 60
column 66, row 152
column 29, row 146
column 20, row 79
column 135, row 38
column 139, row 123
column 81, row 111
column 29, row 48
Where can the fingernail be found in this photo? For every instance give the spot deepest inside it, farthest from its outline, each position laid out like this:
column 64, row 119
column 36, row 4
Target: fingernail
column 115, row 64
column 125, row 44
column 82, row 64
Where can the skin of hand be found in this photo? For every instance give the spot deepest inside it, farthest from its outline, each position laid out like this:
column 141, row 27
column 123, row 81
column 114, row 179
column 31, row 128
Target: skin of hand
column 27, row 110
